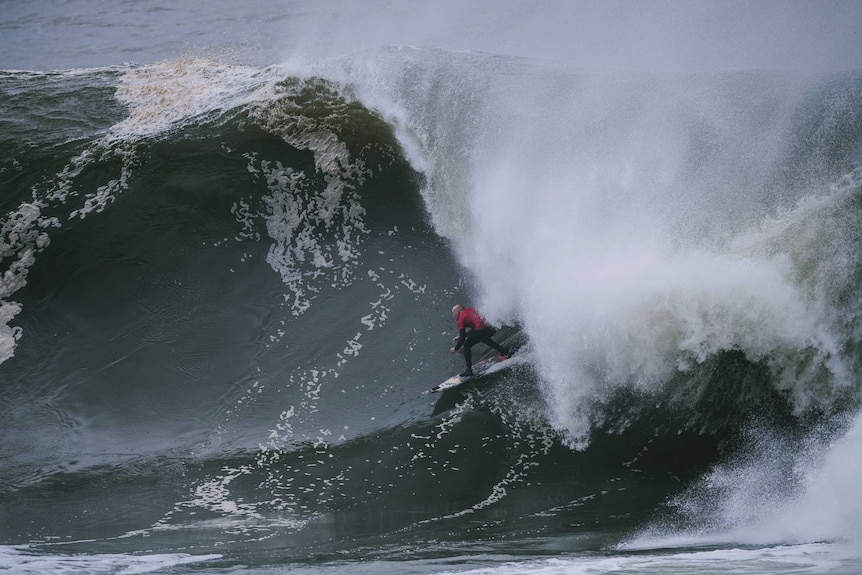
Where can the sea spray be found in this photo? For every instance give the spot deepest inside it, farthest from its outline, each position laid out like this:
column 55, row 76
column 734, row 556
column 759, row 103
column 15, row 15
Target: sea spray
column 779, row 489
column 613, row 226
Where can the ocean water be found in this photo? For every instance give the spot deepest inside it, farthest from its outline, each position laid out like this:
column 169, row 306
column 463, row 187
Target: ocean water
column 231, row 235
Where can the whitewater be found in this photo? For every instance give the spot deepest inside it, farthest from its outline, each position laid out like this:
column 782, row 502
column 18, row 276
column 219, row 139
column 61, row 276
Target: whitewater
column 231, row 235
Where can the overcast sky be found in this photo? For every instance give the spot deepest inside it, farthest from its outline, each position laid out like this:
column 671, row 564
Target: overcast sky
column 639, row 34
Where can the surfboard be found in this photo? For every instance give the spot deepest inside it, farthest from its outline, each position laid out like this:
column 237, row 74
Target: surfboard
column 481, row 368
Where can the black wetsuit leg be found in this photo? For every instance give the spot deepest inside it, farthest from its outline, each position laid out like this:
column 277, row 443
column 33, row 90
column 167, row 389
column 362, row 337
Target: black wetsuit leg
column 481, row 336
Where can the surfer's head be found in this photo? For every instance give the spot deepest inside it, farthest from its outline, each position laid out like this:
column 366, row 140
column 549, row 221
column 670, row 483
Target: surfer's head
column 456, row 310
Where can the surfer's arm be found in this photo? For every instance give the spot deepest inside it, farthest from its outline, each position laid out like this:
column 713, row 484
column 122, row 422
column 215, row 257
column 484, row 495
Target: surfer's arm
column 462, row 333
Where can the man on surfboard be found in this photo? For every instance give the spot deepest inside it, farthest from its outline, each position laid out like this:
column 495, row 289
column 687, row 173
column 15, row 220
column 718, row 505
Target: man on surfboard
column 480, row 331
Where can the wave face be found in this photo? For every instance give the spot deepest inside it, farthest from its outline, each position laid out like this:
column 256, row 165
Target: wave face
column 225, row 287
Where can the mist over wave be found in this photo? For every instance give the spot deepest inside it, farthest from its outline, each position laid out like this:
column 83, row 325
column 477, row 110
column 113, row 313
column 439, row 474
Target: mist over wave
column 649, row 231
column 639, row 225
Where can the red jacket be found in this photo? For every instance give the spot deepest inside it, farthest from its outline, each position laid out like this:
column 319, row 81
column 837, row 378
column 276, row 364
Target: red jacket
column 471, row 318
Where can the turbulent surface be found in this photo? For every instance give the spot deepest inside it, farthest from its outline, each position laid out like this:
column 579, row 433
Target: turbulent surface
column 225, row 286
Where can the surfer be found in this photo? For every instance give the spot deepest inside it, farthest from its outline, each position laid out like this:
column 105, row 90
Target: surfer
column 480, row 332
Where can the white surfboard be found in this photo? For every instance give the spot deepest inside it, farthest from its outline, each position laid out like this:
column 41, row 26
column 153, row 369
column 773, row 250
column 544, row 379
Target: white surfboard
column 485, row 367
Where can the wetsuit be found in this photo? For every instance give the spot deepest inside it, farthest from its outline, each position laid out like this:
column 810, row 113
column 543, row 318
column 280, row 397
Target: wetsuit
column 479, row 332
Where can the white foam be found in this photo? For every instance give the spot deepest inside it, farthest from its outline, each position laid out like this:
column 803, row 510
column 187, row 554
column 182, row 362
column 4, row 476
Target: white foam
column 23, row 561
column 168, row 95
column 817, row 558
column 316, row 237
column 22, row 235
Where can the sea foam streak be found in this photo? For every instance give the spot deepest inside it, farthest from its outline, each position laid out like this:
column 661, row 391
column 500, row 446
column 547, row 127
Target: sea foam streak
column 23, row 561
